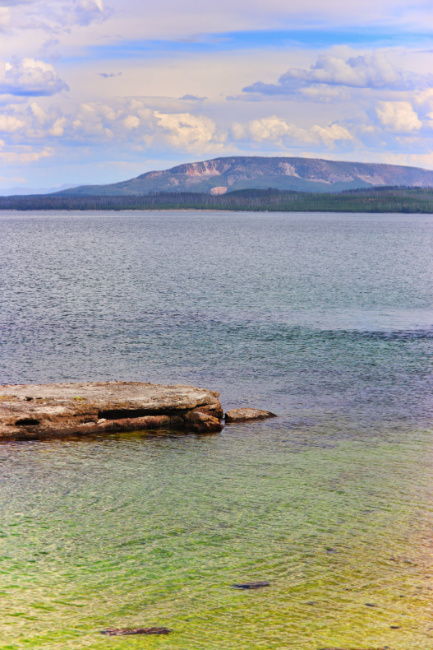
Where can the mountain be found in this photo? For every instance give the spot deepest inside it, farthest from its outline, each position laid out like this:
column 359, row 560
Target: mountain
column 32, row 191
column 222, row 175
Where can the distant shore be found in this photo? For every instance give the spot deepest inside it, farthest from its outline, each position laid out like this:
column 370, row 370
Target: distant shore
column 377, row 199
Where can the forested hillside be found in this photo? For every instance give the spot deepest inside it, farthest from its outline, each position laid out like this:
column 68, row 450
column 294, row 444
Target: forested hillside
column 388, row 199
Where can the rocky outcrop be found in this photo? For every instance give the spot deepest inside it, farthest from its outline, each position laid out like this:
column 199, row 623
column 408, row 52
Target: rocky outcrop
column 39, row 411
column 246, row 415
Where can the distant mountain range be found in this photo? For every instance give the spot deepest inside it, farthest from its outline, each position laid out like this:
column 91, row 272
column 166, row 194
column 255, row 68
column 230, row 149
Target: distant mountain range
column 32, row 191
column 222, row 175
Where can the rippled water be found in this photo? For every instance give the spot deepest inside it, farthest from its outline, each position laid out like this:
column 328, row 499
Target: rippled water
column 326, row 319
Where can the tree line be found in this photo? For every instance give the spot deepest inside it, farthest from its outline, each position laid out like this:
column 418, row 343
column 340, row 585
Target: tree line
column 382, row 199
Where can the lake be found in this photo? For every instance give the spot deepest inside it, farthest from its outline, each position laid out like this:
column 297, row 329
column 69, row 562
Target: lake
column 325, row 319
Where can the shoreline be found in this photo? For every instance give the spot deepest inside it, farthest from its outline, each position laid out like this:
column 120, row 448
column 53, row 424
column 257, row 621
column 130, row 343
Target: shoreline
column 387, row 200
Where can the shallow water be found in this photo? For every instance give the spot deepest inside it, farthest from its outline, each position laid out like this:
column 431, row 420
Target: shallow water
column 326, row 319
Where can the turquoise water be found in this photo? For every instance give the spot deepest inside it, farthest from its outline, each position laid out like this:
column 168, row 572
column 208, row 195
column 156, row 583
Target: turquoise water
column 326, row 319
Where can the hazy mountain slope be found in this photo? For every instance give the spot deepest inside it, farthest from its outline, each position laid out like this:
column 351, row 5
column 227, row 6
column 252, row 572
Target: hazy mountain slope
column 227, row 174
column 32, row 191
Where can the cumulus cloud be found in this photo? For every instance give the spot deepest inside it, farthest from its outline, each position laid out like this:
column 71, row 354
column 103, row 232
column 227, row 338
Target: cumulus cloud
column 131, row 122
column 54, row 17
column 125, row 121
column 184, row 130
column 11, row 124
column 276, row 130
column 373, row 71
column 29, row 77
column 369, row 71
column 398, row 116
column 134, row 124
column 58, row 128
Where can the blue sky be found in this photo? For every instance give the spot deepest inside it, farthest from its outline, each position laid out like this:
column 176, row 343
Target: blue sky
column 95, row 91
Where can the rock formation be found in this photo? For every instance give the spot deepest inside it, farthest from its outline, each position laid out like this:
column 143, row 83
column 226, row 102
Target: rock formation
column 39, row 411
column 246, row 415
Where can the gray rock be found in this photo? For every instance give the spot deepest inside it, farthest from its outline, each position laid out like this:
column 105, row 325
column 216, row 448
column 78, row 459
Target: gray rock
column 40, row 411
column 246, row 414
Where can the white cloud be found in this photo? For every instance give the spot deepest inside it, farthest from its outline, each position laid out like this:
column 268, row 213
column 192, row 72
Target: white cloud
column 10, row 124
column 58, row 128
column 368, row 71
column 192, row 132
column 373, row 71
column 331, row 134
column 87, row 11
column 101, row 123
column 91, row 5
column 275, row 129
column 53, row 16
column 134, row 124
column 271, row 128
column 23, row 155
column 131, row 122
column 29, row 77
column 398, row 116
column 38, row 112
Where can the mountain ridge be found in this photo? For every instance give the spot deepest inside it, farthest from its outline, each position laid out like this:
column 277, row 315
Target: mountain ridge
column 230, row 173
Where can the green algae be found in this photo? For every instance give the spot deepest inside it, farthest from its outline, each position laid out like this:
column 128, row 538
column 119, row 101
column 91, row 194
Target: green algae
column 134, row 531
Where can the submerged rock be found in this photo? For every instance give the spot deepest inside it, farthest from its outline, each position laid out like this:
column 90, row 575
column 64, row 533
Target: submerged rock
column 246, row 414
column 111, row 631
column 202, row 423
column 252, row 585
column 38, row 411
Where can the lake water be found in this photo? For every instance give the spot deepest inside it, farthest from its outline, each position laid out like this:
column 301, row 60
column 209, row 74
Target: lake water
column 325, row 319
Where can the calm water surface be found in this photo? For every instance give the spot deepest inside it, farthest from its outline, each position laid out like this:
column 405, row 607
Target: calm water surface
column 327, row 320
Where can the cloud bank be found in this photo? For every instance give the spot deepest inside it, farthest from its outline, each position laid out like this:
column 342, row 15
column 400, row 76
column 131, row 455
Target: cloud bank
column 373, row 71
column 29, row 78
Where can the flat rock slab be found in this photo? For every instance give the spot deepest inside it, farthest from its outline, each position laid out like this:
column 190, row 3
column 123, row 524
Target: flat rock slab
column 246, row 415
column 35, row 411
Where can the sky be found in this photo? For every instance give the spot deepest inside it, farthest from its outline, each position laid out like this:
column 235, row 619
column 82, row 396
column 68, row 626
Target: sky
column 99, row 91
